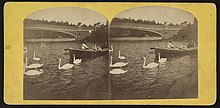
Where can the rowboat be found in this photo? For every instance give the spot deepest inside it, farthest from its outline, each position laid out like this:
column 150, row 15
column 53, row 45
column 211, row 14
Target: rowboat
column 171, row 52
column 86, row 53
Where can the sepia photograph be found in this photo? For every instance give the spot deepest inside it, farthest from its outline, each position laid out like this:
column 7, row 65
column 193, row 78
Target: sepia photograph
column 109, row 53
column 145, row 53
column 65, row 54
column 153, row 54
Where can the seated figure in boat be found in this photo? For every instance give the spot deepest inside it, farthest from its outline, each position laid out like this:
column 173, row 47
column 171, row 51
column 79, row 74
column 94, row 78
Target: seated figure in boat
column 170, row 45
column 84, row 46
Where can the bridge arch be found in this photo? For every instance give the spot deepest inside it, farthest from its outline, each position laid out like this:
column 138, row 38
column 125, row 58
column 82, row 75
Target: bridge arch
column 158, row 33
column 50, row 29
column 63, row 20
column 138, row 29
column 162, row 20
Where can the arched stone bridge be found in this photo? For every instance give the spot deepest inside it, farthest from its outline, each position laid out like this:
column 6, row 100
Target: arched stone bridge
column 81, row 34
column 70, row 32
column 162, row 32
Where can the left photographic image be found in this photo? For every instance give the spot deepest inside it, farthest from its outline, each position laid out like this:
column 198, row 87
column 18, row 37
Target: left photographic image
column 65, row 55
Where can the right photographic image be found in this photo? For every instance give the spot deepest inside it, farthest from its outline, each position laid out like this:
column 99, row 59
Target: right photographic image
column 153, row 54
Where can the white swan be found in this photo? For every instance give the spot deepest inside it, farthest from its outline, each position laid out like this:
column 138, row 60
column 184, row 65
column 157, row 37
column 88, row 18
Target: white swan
column 111, row 50
column 76, row 61
column 150, row 65
column 33, row 72
column 119, row 56
column 118, row 64
column 36, row 58
column 161, row 60
column 117, row 71
column 65, row 66
column 34, row 65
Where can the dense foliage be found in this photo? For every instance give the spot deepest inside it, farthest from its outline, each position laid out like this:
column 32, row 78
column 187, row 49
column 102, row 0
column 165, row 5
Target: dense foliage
column 100, row 34
column 52, row 22
column 189, row 32
column 139, row 21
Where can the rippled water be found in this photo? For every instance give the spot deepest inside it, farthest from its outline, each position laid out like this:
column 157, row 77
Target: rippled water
column 171, row 80
column 90, row 80
column 86, row 81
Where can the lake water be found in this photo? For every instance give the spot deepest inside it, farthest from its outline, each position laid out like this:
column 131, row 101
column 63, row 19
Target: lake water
column 86, row 81
column 178, row 78
column 175, row 79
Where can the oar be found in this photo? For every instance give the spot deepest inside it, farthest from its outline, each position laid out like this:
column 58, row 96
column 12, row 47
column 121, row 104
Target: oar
column 179, row 47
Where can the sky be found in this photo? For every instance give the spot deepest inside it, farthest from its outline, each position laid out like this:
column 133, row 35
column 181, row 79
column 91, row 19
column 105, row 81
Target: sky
column 70, row 14
column 87, row 16
column 159, row 14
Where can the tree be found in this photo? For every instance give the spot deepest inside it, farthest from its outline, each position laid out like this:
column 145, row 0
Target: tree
column 78, row 25
column 189, row 32
column 99, row 35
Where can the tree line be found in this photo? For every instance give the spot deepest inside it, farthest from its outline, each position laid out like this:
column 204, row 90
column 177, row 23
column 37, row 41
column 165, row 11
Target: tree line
column 28, row 21
column 100, row 34
column 117, row 20
column 188, row 32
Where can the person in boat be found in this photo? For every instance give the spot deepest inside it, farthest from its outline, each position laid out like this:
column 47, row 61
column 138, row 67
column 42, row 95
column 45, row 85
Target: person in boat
column 84, row 46
column 170, row 45
column 192, row 44
column 96, row 47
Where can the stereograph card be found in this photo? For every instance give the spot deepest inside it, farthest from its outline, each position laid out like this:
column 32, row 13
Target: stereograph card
column 109, row 53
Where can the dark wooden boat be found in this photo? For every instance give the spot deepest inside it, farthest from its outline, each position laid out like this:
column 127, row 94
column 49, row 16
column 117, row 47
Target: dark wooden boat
column 172, row 52
column 86, row 53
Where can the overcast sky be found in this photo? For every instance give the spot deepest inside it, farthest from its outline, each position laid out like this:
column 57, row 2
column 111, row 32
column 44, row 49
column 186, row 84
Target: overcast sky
column 159, row 14
column 70, row 14
column 86, row 16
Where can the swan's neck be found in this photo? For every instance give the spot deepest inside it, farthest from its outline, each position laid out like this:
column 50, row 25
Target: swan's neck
column 111, row 48
column 158, row 57
column 74, row 58
column 110, row 61
column 59, row 63
column 144, row 63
